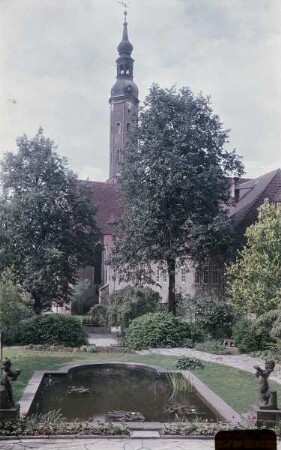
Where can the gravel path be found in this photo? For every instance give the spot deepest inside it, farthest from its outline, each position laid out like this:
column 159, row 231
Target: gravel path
column 243, row 362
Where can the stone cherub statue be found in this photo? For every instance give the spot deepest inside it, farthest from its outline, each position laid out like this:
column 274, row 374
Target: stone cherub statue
column 7, row 376
column 267, row 396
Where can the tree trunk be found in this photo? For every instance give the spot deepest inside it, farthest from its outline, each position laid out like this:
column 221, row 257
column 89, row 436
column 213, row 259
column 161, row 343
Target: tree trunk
column 37, row 306
column 171, row 264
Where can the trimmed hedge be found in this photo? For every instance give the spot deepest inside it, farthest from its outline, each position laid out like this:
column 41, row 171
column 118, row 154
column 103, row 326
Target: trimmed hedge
column 52, row 329
column 159, row 329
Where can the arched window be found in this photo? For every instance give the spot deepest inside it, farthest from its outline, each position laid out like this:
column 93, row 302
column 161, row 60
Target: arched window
column 118, row 128
column 128, row 126
column 119, row 155
column 122, row 71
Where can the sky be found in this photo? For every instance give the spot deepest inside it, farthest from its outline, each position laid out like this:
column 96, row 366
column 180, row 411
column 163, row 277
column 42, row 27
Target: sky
column 57, row 66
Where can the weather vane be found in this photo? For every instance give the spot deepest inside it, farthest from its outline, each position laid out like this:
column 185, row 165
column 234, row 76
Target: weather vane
column 125, row 6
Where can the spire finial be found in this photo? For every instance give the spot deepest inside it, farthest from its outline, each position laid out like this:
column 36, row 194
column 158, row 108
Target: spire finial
column 125, row 47
column 125, row 6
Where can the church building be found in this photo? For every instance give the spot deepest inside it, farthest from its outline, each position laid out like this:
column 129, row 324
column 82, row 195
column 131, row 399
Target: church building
column 247, row 195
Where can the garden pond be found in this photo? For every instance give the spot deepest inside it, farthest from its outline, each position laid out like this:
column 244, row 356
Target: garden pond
column 100, row 392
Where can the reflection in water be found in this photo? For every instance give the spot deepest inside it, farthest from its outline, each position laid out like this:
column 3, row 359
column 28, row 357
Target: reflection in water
column 90, row 393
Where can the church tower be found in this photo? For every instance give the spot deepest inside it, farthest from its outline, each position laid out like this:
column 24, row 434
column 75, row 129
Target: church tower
column 123, row 103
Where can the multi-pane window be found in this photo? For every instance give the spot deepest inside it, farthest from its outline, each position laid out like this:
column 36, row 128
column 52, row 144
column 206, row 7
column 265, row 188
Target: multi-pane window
column 197, row 275
column 210, row 275
column 164, row 275
column 158, row 275
column 206, row 274
column 183, row 272
column 215, row 275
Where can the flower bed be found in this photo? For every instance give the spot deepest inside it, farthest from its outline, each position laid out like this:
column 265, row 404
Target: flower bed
column 42, row 426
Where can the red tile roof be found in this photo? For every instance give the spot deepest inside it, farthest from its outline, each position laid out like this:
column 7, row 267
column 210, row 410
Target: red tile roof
column 107, row 200
column 252, row 194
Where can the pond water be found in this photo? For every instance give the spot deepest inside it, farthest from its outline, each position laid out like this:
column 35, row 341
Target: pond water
column 90, row 393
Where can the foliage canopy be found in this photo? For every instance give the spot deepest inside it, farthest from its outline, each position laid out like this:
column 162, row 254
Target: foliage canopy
column 47, row 221
column 210, row 314
column 126, row 304
column 254, row 279
column 173, row 184
column 15, row 305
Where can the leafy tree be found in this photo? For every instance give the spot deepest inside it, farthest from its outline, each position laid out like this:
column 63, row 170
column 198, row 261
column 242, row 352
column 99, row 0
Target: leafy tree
column 173, row 184
column 210, row 314
column 47, row 221
column 269, row 324
column 15, row 305
column 80, row 296
column 254, row 279
column 248, row 338
column 126, row 304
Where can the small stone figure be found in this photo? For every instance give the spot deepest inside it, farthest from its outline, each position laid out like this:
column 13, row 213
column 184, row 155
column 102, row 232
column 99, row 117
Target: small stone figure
column 264, row 390
column 6, row 377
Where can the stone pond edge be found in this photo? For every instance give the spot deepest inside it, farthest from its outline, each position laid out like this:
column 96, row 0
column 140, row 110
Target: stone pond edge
column 220, row 407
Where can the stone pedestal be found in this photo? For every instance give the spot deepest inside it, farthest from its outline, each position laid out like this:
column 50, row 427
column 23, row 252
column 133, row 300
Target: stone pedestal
column 10, row 413
column 264, row 416
column 7, row 412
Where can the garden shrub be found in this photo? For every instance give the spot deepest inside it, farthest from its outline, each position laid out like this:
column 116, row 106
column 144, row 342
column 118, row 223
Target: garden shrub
column 247, row 338
column 212, row 347
column 98, row 315
column 88, row 348
column 15, row 306
column 268, row 325
column 187, row 343
column 197, row 334
column 126, row 304
column 53, row 329
column 212, row 315
column 187, row 363
column 159, row 329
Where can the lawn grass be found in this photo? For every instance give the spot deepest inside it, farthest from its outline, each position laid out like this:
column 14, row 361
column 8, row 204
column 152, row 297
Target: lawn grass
column 236, row 387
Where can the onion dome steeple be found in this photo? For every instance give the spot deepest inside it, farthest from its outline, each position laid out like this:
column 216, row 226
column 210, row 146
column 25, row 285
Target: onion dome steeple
column 125, row 47
column 123, row 103
column 124, row 81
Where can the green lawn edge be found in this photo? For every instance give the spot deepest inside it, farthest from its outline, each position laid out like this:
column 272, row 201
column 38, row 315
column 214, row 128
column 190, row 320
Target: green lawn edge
column 236, row 387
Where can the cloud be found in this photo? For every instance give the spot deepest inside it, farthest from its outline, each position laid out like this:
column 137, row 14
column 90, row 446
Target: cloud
column 58, row 62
